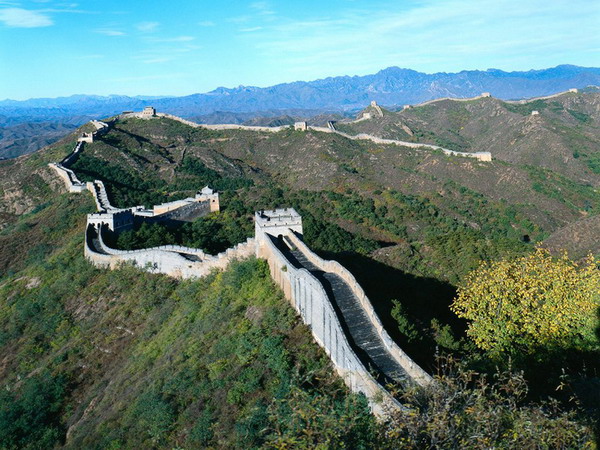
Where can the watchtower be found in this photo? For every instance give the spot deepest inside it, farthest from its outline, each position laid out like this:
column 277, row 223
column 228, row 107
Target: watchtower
column 301, row 126
column 278, row 222
column 148, row 112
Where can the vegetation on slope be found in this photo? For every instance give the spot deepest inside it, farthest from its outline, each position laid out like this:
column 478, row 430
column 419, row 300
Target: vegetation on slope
column 563, row 137
column 428, row 218
column 125, row 359
column 531, row 302
column 148, row 355
column 96, row 358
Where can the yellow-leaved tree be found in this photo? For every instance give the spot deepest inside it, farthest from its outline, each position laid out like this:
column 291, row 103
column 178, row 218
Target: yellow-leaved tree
column 533, row 301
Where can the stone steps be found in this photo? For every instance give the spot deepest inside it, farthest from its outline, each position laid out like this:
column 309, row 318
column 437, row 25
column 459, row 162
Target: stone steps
column 361, row 333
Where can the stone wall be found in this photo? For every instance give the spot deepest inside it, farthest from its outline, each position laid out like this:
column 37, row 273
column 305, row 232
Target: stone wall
column 301, row 288
column 454, row 99
column 224, row 126
column 533, row 99
column 375, row 106
column 72, row 157
column 276, row 222
column 172, row 260
column 71, row 181
column 98, row 190
column 411, row 368
column 480, row 156
column 116, row 221
column 487, row 95
column 184, row 212
column 308, row 297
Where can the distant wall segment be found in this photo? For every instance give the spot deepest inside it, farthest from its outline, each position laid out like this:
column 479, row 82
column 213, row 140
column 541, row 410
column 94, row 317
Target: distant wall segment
column 481, row 156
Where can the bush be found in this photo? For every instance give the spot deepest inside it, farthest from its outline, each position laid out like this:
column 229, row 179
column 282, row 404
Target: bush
column 463, row 409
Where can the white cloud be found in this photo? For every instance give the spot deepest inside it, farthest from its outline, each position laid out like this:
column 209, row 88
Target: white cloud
column 24, row 18
column 250, row 29
column 109, row 32
column 206, row 23
column 262, row 8
column 174, row 39
column 147, row 27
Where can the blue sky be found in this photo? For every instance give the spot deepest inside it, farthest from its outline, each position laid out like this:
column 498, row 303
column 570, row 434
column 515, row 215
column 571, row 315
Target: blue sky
column 53, row 48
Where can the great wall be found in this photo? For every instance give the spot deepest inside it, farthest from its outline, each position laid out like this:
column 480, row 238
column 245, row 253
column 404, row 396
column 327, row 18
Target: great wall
column 488, row 95
column 303, row 126
column 324, row 293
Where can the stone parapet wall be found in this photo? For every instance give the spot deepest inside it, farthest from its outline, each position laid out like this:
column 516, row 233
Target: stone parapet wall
column 308, row 297
column 224, row 126
column 172, row 260
column 412, row 369
column 454, row 99
column 486, row 95
column 480, row 156
column 72, row 157
column 71, row 181
column 100, row 196
column 533, row 99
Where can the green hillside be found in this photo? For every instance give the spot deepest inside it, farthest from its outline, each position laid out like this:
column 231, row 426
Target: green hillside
column 564, row 137
column 124, row 359
column 111, row 359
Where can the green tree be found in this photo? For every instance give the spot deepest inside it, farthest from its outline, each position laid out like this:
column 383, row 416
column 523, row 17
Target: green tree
column 533, row 301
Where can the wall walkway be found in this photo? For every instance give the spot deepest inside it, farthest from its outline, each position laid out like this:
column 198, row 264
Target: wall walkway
column 308, row 296
column 356, row 306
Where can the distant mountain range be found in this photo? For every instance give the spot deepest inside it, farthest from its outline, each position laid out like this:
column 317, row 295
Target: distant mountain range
column 391, row 87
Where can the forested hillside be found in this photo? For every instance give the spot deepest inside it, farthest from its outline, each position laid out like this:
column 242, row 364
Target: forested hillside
column 97, row 358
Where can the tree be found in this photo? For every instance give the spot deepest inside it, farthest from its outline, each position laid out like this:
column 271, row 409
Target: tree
column 533, row 301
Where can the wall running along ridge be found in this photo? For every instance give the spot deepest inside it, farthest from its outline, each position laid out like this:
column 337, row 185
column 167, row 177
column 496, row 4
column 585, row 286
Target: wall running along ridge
column 486, row 94
column 480, row 156
column 300, row 287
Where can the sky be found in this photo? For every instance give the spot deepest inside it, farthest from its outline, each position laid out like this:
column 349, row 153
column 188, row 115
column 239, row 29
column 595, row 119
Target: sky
column 54, row 48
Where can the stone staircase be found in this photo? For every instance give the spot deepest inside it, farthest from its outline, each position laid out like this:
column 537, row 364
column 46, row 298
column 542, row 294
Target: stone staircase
column 363, row 336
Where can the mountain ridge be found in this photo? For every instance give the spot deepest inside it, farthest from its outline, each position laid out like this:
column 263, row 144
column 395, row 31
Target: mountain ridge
column 392, row 87
column 564, row 72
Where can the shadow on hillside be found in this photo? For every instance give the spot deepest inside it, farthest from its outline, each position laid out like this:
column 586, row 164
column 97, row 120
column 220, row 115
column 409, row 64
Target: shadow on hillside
column 423, row 299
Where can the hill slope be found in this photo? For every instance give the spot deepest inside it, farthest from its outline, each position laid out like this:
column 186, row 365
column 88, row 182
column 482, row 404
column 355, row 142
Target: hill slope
column 563, row 137
column 96, row 358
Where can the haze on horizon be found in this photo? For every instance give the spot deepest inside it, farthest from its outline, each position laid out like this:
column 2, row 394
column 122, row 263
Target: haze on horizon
column 54, row 48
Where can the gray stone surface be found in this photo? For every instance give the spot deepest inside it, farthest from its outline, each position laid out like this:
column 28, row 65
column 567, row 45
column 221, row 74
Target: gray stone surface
column 362, row 334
